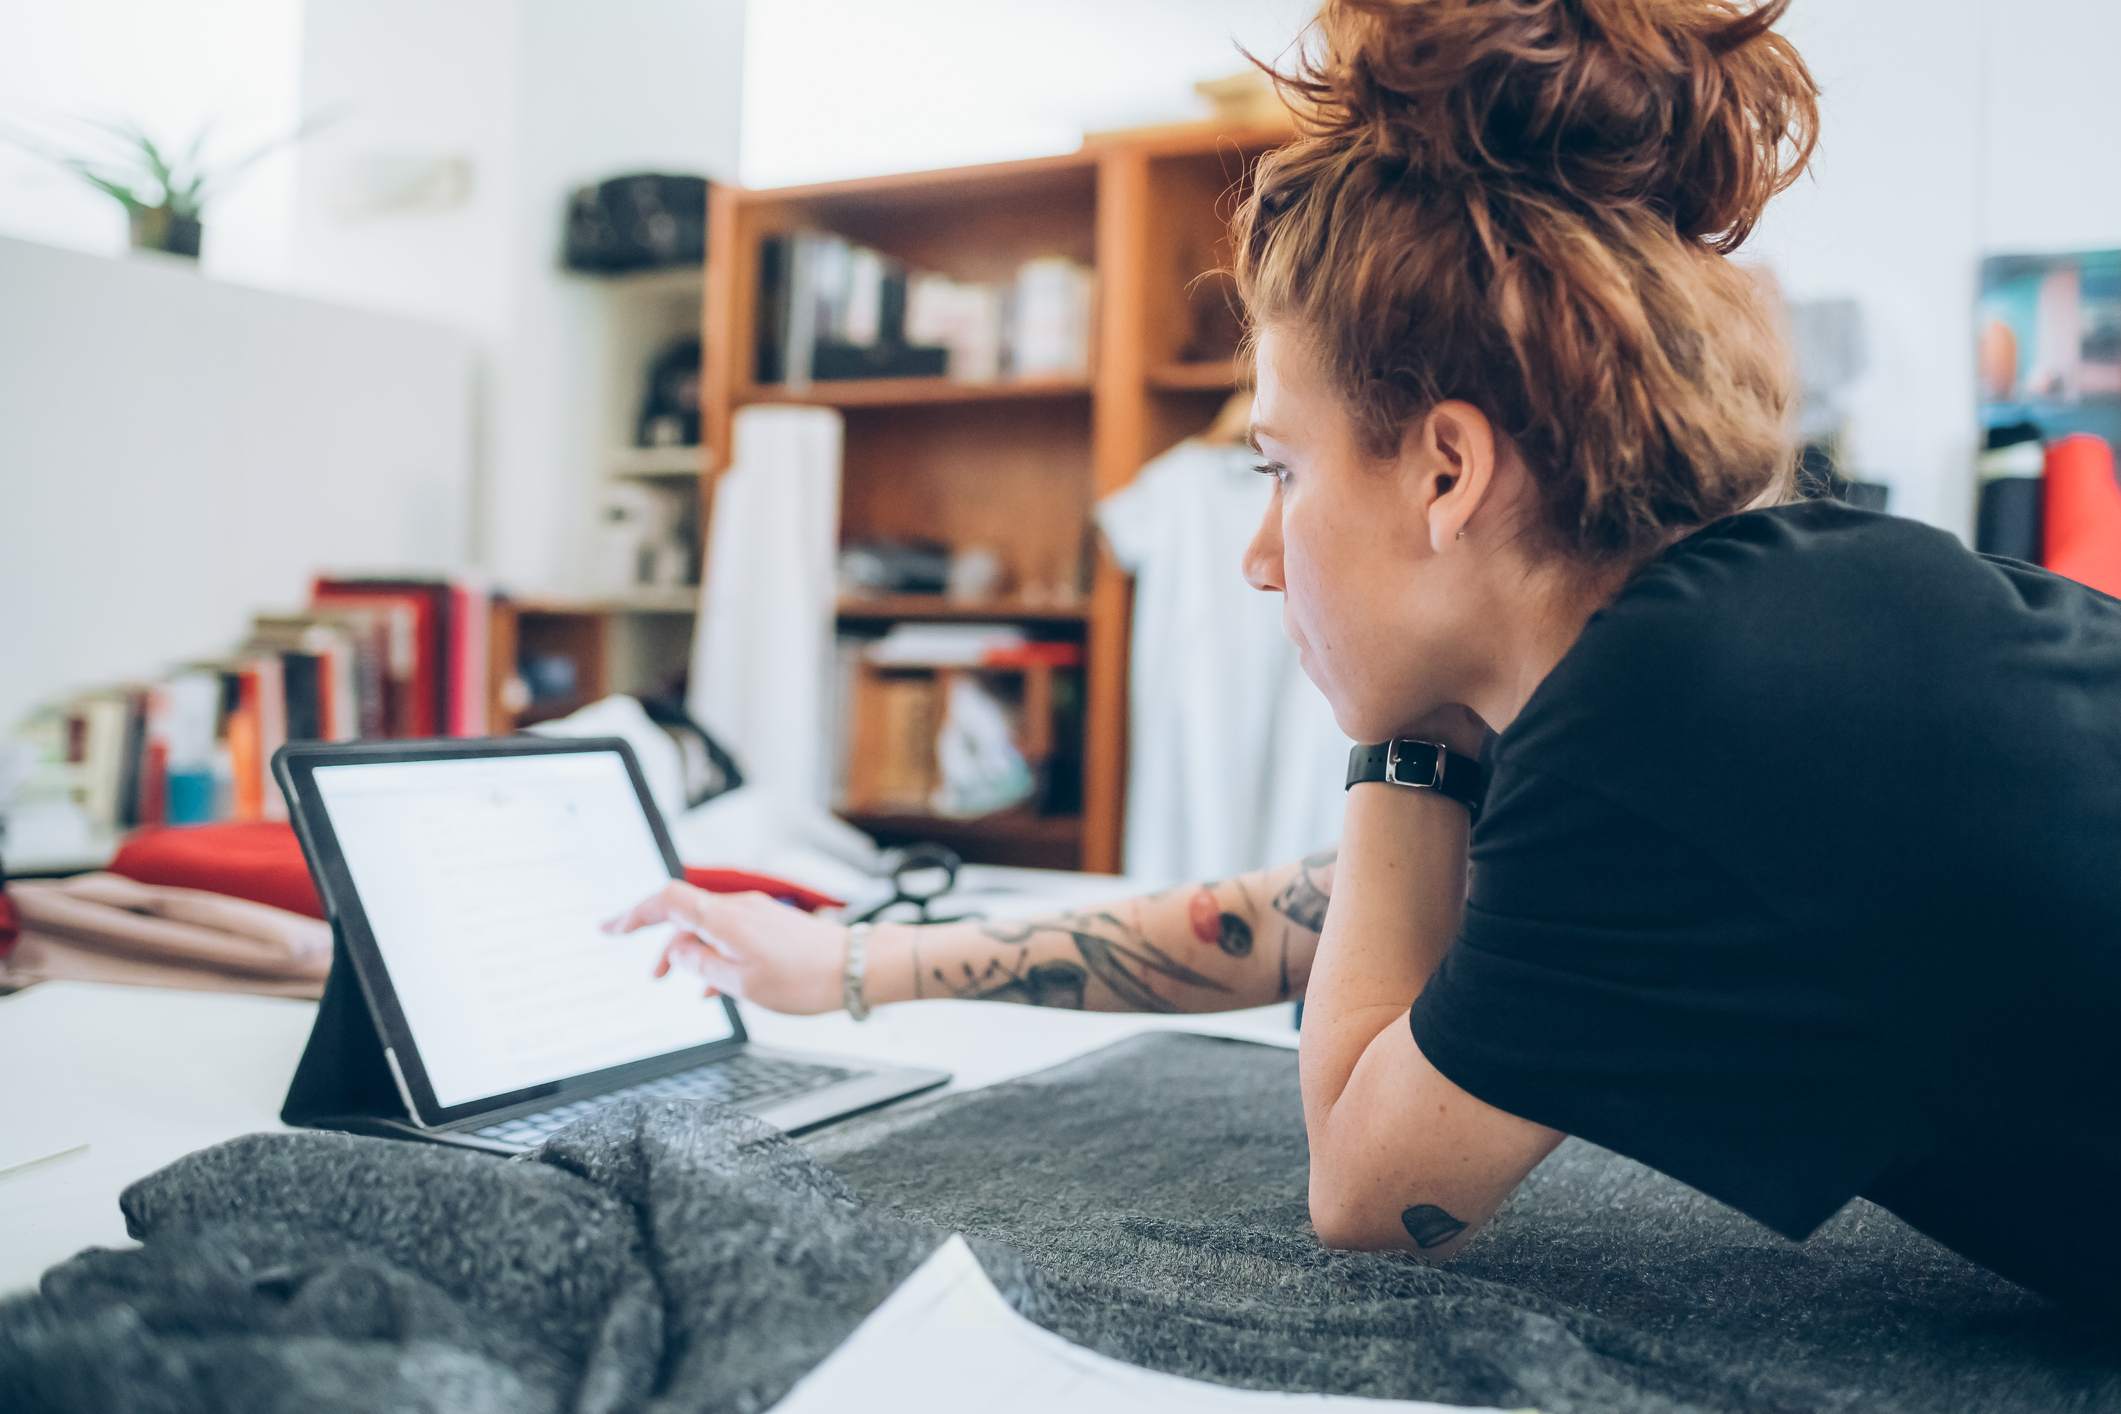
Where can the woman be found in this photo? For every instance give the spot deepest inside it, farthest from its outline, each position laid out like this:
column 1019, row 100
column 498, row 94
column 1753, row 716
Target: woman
column 1798, row 874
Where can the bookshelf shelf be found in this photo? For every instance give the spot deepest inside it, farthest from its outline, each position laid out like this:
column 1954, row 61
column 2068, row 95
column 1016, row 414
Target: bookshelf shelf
column 550, row 709
column 1210, row 375
column 684, row 600
column 656, row 462
column 936, row 608
column 904, row 392
column 675, row 282
column 1010, row 836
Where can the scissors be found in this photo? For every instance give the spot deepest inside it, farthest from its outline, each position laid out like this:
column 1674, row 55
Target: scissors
column 920, row 874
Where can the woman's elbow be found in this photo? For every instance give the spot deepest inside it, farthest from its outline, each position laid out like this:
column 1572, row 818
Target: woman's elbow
column 1348, row 1222
column 1348, row 1219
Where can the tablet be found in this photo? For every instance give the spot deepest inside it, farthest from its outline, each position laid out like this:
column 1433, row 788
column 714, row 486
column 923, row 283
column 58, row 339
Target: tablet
column 468, row 879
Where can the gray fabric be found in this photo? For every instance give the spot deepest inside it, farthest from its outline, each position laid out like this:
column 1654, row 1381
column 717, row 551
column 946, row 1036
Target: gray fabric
column 1146, row 1201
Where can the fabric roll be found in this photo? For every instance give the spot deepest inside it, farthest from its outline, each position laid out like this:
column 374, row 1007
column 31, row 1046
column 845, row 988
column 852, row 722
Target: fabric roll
column 2011, row 470
column 2083, row 513
column 762, row 652
column 105, row 928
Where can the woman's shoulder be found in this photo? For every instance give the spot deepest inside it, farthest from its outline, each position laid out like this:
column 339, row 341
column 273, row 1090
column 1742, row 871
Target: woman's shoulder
column 1813, row 619
column 1749, row 623
column 1805, row 549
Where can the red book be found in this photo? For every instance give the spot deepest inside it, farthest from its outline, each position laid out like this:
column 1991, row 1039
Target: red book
column 154, row 783
column 470, row 647
column 421, row 712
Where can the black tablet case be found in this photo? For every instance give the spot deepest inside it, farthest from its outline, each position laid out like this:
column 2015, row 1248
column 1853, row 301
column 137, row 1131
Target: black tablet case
column 343, row 1075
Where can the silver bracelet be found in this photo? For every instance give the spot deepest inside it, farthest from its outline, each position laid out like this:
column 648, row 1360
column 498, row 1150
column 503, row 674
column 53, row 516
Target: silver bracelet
column 854, row 970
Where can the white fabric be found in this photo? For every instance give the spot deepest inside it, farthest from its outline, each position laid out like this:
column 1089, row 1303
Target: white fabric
column 662, row 764
column 762, row 650
column 1233, row 761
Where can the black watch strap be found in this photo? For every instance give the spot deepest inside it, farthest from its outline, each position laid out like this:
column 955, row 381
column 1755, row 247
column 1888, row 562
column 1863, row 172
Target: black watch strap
column 1421, row 765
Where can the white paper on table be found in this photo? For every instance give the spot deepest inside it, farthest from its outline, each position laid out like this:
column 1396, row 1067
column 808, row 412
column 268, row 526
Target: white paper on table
column 946, row 1342
column 37, row 1137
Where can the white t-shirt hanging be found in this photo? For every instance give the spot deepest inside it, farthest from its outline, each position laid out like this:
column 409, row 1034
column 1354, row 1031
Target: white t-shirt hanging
column 1233, row 760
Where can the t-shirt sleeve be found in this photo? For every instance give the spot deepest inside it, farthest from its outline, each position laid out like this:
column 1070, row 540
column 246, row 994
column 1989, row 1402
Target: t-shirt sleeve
column 1611, row 982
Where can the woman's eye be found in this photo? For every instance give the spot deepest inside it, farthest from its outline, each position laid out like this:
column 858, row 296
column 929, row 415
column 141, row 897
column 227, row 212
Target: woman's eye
column 1273, row 469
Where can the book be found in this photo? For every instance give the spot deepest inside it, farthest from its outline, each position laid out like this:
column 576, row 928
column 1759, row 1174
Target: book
column 772, row 324
column 425, row 706
column 470, row 655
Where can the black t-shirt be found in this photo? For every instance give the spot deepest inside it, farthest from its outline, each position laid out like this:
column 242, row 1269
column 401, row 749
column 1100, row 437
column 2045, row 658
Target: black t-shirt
column 1800, row 878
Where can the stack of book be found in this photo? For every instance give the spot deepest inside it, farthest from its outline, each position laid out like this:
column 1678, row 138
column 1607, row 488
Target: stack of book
column 832, row 309
column 366, row 658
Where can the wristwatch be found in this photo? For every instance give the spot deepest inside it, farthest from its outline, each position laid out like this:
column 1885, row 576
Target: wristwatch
column 1420, row 765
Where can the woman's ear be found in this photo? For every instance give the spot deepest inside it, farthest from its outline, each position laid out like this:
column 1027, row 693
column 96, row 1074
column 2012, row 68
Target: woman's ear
column 1453, row 453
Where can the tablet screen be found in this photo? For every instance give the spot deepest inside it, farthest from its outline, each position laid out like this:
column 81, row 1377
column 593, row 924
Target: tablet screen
column 483, row 881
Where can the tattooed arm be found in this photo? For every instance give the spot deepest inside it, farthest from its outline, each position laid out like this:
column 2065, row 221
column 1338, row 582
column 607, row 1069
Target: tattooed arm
column 1401, row 1158
column 1239, row 942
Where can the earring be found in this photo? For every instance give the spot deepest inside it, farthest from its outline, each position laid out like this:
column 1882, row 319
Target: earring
column 1461, row 533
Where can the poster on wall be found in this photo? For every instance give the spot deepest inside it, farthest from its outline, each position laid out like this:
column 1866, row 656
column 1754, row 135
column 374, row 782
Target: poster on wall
column 2048, row 364
column 2050, row 342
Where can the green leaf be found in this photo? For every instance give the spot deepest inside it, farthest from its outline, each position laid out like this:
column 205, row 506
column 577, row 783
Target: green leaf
column 109, row 186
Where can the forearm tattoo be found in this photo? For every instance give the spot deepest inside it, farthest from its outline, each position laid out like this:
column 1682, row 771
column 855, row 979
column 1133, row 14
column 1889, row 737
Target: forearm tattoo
column 1303, row 899
column 1429, row 1225
column 1106, row 948
column 1212, row 923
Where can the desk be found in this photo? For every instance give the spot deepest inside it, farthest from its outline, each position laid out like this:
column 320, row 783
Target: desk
column 143, row 1075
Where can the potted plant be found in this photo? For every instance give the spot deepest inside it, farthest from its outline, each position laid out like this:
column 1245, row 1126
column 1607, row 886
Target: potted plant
column 164, row 196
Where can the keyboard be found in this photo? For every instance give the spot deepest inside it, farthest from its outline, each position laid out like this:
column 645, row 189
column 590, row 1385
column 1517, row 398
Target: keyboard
column 745, row 1080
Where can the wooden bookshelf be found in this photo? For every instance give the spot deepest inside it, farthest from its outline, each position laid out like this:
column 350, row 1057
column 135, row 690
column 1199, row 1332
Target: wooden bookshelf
column 892, row 608
column 1016, row 465
column 906, row 392
column 1202, row 375
column 1008, row 837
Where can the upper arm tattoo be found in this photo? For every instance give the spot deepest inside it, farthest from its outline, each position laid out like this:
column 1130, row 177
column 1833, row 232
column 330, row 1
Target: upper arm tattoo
column 1303, row 899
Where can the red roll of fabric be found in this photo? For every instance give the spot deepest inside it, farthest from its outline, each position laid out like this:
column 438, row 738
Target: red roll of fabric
column 262, row 861
column 2081, row 515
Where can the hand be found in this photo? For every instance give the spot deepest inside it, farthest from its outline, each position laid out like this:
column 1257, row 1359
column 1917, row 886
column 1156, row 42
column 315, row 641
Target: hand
column 749, row 945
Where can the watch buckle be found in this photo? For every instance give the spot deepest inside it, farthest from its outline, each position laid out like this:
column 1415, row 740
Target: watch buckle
column 1435, row 781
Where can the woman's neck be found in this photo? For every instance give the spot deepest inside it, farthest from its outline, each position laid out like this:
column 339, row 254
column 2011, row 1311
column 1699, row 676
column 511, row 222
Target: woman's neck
column 1533, row 628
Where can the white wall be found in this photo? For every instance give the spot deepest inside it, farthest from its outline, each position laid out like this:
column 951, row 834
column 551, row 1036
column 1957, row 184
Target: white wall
column 172, row 68
column 538, row 96
column 1889, row 216
column 178, row 453
column 2049, row 124
column 842, row 88
column 1951, row 128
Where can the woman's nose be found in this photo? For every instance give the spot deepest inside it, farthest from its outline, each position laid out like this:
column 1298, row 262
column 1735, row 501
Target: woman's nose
column 1262, row 562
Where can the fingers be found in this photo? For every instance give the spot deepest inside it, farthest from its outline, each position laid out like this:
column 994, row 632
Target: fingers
column 692, row 908
column 676, row 902
column 714, row 969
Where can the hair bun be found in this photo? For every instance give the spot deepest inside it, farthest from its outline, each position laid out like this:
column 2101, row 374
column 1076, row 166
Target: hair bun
column 1695, row 109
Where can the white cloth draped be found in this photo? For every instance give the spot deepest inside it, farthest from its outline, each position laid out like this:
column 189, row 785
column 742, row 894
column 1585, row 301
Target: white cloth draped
column 1234, row 760
column 762, row 649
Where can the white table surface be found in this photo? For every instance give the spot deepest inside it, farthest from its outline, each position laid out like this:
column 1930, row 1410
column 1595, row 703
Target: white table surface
column 142, row 1075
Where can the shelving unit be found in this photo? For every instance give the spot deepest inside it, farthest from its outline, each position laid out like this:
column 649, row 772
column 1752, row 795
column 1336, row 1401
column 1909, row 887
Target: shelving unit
column 627, row 640
column 1015, row 465
column 1204, row 375
column 910, row 392
column 934, row 608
